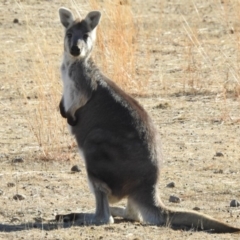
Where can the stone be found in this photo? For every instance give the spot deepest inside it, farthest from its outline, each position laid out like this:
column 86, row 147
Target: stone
column 170, row 185
column 15, row 20
column 234, row 203
column 219, row 154
column 174, row 199
column 19, row 197
column 196, row 209
column 75, row 168
column 18, row 160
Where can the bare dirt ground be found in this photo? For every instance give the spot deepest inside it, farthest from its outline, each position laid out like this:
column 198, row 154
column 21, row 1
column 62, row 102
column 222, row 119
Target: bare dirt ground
column 192, row 64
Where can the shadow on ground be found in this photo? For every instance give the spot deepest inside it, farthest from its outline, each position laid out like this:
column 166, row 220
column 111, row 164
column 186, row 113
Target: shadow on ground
column 61, row 221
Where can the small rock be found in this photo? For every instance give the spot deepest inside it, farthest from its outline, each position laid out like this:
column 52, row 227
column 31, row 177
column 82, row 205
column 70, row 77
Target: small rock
column 75, row 168
column 10, row 184
column 170, row 185
column 234, row 203
column 19, row 197
column 15, row 20
column 219, row 154
column 18, row 160
column 1, row 192
column 174, row 199
column 196, row 209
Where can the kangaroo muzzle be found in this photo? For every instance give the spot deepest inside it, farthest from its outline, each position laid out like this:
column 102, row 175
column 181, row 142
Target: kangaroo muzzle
column 75, row 51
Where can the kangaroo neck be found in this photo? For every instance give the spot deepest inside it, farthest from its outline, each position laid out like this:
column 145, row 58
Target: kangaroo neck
column 84, row 74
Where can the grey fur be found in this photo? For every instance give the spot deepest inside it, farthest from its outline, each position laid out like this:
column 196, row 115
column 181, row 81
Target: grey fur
column 117, row 138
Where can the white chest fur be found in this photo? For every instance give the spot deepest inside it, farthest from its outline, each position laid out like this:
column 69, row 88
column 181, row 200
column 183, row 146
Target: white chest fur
column 67, row 87
column 71, row 95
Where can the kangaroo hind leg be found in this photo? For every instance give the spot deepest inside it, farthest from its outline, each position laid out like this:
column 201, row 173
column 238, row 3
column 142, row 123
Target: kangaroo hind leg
column 130, row 212
column 102, row 213
column 148, row 203
column 101, row 191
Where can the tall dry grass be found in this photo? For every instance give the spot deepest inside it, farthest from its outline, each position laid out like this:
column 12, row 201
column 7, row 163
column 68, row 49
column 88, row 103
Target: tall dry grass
column 116, row 46
column 43, row 118
column 213, row 61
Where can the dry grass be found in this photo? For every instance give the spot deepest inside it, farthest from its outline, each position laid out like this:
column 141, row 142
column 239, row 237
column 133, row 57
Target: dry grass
column 43, row 118
column 116, row 49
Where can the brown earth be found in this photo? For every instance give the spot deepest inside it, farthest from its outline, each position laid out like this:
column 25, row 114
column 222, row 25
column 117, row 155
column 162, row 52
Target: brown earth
column 192, row 66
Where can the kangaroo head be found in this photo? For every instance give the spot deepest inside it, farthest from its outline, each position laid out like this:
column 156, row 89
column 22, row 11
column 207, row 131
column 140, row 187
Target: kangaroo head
column 80, row 35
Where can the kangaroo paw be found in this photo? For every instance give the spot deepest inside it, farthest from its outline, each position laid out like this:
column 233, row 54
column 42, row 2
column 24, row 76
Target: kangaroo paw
column 62, row 110
column 72, row 121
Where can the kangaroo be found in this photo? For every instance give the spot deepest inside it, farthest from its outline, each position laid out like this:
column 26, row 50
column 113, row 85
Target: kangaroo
column 117, row 139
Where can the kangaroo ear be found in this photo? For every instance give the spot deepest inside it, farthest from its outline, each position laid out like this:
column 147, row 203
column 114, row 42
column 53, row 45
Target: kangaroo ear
column 93, row 19
column 66, row 16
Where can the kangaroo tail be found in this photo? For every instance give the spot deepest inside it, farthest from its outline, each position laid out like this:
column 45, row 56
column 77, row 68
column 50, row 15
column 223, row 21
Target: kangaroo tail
column 196, row 220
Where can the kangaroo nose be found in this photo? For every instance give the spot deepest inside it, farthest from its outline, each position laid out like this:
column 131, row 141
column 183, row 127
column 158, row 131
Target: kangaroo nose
column 75, row 51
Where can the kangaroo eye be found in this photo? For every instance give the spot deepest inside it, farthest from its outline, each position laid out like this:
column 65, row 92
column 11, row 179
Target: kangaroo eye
column 69, row 35
column 85, row 37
